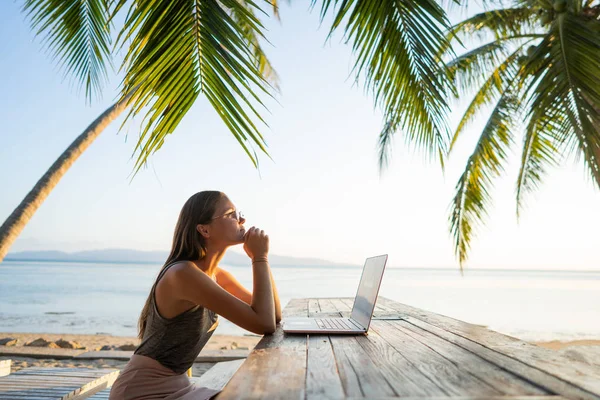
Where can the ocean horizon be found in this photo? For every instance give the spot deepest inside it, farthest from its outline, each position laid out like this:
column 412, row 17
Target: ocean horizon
column 71, row 297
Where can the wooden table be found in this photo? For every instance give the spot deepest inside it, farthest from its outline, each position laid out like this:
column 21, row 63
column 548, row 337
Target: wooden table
column 408, row 353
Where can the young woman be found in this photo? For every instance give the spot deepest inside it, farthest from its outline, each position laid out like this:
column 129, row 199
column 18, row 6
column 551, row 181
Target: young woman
column 180, row 314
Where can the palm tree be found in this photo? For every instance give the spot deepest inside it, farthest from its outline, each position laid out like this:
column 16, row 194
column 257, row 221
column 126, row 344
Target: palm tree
column 177, row 50
column 16, row 222
column 537, row 65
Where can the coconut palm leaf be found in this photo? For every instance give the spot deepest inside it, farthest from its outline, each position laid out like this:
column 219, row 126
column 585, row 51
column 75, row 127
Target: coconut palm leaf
column 468, row 70
column 253, row 38
column 384, row 147
column 183, row 48
column 569, row 84
column 539, row 151
column 558, row 90
column 500, row 23
column 275, row 5
column 396, row 44
column 495, row 86
column 471, row 68
column 77, row 34
column 469, row 206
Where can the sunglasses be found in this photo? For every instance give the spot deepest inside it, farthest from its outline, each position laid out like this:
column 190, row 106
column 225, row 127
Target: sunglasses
column 237, row 215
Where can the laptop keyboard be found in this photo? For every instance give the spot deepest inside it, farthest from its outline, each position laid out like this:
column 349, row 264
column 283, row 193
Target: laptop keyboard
column 334, row 323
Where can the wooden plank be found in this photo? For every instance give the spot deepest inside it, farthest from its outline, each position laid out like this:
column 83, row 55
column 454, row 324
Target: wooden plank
column 76, row 372
column 42, row 388
column 38, row 352
column 535, row 375
column 322, row 378
column 348, row 302
column 56, row 383
column 37, row 384
column 276, row 368
column 296, row 308
column 218, row 375
column 102, row 395
column 341, row 307
column 503, row 381
column 94, row 386
column 313, row 307
column 357, row 371
column 15, row 379
column 584, row 376
column 58, row 391
column 328, row 309
column 5, row 366
column 381, row 311
column 399, row 372
column 470, row 398
column 445, row 374
column 30, row 393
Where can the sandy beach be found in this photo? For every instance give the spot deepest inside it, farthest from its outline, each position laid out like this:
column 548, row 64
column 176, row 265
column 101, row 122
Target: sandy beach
column 585, row 351
column 97, row 342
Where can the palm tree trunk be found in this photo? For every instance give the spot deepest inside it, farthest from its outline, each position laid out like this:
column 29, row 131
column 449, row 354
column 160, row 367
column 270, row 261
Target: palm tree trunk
column 16, row 222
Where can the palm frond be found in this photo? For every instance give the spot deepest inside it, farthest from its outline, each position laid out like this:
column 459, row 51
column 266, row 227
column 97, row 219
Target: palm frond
column 495, row 85
column 384, row 147
column 77, row 34
column 183, row 48
column 539, row 151
column 469, row 206
column 396, row 44
column 275, row 5
column 253, row 37
column 569, row 84
column 499, row 23
column 471, row 68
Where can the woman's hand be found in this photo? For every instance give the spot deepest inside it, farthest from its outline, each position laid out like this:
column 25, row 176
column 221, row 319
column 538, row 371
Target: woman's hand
column 256, row 243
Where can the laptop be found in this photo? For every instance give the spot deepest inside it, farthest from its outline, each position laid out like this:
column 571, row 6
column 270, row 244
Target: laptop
column 362, row 311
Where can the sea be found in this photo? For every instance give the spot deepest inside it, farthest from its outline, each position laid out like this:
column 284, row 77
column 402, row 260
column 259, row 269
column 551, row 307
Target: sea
column 106, row 298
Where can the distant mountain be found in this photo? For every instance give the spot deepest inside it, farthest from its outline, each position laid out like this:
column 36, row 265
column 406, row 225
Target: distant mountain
column 158, row 257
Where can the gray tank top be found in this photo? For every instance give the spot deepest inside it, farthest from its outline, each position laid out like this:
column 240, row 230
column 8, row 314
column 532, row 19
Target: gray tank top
column 176, row 342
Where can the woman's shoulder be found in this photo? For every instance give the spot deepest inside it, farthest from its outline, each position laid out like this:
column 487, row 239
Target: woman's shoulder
column 175, row 269
column 181, row 264
column 184, row 271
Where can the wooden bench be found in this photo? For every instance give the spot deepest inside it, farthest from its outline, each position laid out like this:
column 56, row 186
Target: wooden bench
column 55, row 383
column 408, row 353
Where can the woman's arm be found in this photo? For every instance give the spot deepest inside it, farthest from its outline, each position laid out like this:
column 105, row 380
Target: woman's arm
column 187, row 282
column 262, row 291
column 275, row 299
column 234, row 287
column 228, row 282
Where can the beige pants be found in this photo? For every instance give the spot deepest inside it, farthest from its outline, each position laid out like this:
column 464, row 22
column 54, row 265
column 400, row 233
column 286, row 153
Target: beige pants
column 145, row 378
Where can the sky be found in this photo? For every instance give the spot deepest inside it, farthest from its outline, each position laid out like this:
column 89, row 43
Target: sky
column 321, row 196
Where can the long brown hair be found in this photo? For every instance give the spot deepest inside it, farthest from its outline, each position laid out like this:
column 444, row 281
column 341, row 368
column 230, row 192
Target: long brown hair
column 188, row 243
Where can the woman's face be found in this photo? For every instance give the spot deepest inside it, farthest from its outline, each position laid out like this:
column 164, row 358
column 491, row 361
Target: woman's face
column 227, row 225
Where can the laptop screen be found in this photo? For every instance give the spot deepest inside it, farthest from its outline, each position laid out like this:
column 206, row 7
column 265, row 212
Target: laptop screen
column 364, row 303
